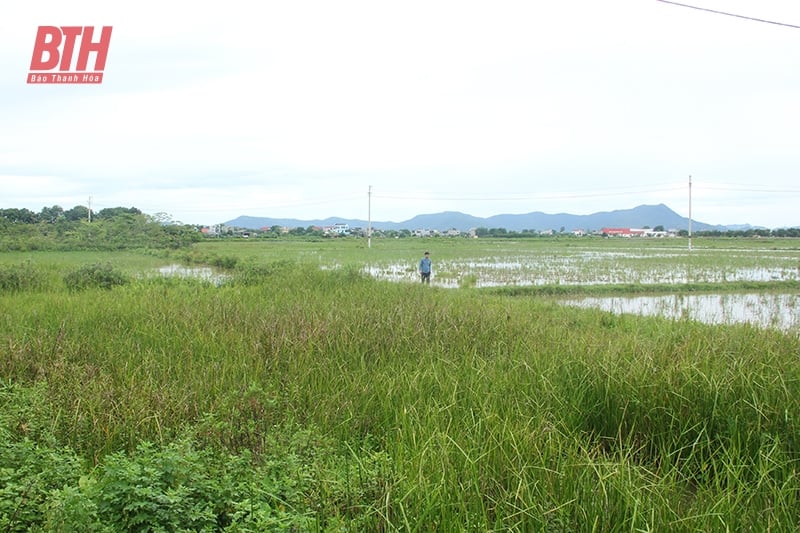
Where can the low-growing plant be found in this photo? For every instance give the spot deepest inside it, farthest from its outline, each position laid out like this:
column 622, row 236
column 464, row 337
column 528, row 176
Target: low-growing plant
column 97, row 275
column 29, row 473
column 305, row 482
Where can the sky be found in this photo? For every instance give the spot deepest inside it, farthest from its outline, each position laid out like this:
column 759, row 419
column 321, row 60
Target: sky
column 386, row 110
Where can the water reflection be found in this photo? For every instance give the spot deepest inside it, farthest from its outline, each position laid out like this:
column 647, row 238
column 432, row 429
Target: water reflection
column 778, row 311
column 202, row 273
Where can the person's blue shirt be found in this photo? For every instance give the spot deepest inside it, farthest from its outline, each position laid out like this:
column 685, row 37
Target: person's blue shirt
column 425, row 265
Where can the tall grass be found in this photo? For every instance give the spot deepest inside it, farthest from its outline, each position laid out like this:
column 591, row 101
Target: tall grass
column 493, row 412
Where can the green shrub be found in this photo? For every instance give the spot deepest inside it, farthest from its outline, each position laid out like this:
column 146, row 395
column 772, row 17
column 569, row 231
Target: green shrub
column 22, row 277
column 254, row 273
column 301, row 485
column 28, row 475
column 96, row 275
column 225, row 262
column 168, row 489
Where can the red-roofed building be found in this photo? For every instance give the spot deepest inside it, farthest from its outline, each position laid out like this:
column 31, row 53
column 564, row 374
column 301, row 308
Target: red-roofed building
column 624, row 232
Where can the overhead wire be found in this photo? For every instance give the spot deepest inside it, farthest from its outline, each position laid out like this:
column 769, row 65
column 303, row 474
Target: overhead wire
column 729, row 14
column 746, row 189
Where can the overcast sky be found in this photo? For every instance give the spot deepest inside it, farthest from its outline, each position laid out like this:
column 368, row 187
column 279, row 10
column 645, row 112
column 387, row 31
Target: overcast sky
column 295, row 108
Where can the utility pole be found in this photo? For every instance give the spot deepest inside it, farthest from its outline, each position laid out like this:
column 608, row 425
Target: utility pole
column 369, row 217
column 690, row 212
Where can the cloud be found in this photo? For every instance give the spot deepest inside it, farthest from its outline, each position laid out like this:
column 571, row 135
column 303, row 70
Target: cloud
column 211, row 111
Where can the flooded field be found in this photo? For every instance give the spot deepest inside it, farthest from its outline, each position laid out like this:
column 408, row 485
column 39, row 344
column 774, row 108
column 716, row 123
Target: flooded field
column 201, row 273
column 592, row 267
column 649, row 266
column 778, row 311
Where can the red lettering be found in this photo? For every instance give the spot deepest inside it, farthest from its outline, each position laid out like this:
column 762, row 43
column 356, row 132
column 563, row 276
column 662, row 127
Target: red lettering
column 70, row 32
column 49, row 40
column 42, row 45
column 101, row 48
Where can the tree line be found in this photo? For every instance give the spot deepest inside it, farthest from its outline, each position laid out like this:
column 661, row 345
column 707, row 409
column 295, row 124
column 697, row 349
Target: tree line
column 115, row 228
column 752, row 232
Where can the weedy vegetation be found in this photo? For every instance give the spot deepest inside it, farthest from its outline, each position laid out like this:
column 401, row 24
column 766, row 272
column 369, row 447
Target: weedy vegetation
column 303, row 395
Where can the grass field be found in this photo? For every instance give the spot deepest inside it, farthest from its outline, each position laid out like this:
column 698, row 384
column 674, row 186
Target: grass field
column 300, row 398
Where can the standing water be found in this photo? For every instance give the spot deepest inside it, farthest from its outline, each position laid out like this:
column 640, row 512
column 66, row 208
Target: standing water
column 778, row 311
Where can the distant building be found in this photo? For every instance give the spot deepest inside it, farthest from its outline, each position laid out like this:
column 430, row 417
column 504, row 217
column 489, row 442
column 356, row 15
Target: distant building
column 215, row 230
column 623, row 232
column 636, row 232
column 341, row 228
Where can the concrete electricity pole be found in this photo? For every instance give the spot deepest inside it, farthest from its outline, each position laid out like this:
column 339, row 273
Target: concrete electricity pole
column 369, row 217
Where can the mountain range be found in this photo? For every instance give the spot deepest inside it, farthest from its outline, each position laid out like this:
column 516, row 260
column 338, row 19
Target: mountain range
column 637, row 217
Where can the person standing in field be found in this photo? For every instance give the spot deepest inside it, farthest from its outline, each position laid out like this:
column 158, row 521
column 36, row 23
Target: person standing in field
column 425, row 268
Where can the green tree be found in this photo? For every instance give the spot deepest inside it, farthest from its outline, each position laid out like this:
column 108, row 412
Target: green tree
column 79, row 212
column 19, row 216
column 51, row 214
column 161, row 218
column 111, row 212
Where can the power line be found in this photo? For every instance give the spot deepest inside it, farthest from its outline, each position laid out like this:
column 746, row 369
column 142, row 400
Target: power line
column 743, row 189
column 729, row 14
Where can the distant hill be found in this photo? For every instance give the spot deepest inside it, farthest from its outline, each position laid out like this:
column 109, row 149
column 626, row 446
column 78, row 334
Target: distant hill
column 637, row 217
